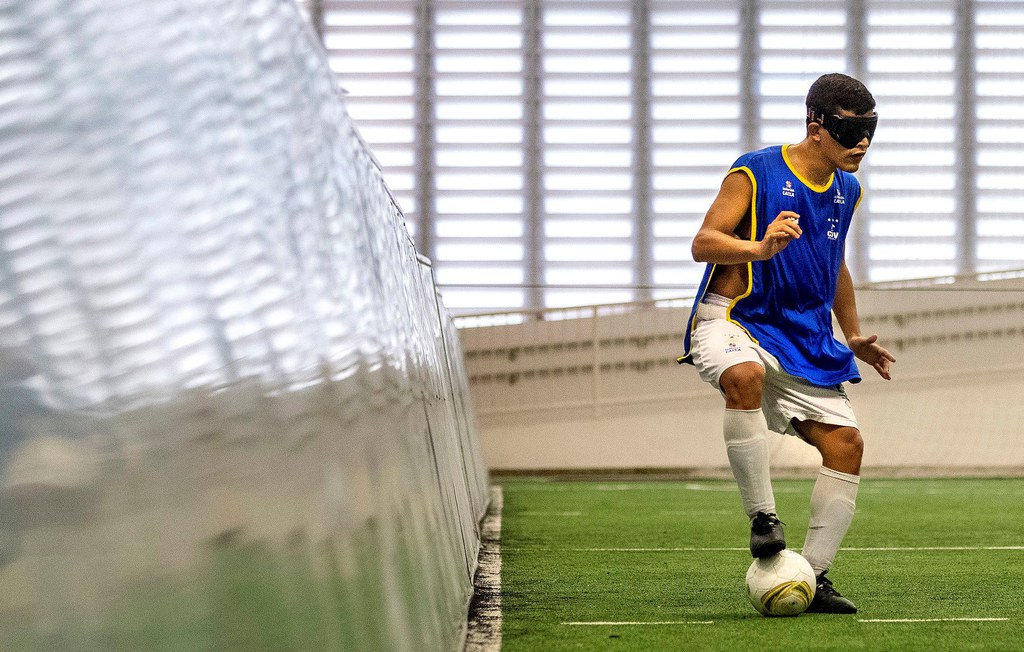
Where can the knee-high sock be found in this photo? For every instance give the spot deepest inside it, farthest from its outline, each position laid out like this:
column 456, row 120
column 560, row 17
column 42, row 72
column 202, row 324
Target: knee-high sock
column 833, row 501
column 746, row 442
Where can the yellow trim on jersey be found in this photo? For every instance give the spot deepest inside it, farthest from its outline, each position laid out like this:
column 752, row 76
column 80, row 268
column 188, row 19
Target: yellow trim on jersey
column 750, row 267
column 859, row 197
column 812, row 186
column 750, row 264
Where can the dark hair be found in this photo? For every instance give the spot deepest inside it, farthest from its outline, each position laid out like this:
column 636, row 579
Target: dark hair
column 835, row 91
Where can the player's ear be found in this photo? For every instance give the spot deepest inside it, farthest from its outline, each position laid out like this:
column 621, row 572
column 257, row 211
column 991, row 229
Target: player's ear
column 814, row 131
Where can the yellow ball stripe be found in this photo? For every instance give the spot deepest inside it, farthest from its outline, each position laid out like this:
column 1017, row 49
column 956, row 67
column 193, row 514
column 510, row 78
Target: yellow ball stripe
column 799, row 589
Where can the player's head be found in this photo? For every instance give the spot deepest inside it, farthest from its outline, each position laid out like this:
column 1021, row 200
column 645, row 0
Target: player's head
column 844, row 107
column 835, row 91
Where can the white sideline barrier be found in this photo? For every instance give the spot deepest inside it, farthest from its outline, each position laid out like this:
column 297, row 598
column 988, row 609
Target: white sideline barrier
column 233, row 411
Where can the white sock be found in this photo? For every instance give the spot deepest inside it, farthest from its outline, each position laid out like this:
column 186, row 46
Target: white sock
column 746, row 442
column 833, row 501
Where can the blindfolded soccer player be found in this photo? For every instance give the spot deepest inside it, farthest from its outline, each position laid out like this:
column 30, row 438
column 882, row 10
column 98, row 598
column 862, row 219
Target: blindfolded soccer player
column 761, row 327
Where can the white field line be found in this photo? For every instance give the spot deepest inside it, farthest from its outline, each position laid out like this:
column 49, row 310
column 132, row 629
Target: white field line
column 732, row 488
column 694, row 486
column 633, row 486
column 599, row 623
column 856, row 549
column 934, row 620
column 660, row 549
column 617, row 623
column 696, row 512
column 483, row 632
column 934, row 548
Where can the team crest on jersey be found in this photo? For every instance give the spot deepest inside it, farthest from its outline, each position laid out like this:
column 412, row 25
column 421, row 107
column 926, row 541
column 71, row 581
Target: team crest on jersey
column 833, row 226
column 787, row 190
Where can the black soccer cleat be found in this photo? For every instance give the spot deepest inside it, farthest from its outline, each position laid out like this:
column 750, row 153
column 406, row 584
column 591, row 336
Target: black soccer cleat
column 828, row 601
column 766, row 536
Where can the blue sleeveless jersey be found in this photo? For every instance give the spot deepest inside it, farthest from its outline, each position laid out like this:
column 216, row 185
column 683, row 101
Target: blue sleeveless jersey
column 787, row 308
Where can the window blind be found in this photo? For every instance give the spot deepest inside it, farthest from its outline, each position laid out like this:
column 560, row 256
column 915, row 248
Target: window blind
column 571, row 149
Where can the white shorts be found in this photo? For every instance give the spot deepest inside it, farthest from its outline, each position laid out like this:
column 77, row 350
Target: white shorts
column 717, row 344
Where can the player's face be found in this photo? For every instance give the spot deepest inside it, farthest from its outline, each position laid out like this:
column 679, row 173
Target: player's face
column 846, row 158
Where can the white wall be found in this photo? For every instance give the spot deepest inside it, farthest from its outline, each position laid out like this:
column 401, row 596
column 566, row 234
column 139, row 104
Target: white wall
column 953, row 405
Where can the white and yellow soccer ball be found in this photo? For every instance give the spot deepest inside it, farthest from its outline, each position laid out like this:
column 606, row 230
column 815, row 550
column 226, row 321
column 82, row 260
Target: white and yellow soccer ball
column 781, row 585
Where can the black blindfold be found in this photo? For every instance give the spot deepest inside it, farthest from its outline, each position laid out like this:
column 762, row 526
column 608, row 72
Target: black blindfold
column 848, row 132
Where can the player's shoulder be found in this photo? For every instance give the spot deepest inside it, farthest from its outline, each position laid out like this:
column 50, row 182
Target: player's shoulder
column 759, row 158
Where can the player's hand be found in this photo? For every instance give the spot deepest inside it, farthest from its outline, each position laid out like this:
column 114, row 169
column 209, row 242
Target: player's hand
column 779, row 234
column 868, row 350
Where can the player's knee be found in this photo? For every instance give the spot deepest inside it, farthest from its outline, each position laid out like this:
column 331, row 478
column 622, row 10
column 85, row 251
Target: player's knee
column 850, row 444
column 742, row 386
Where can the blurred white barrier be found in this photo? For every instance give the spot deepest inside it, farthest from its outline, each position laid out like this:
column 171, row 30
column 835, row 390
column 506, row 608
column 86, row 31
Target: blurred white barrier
column 234, row 413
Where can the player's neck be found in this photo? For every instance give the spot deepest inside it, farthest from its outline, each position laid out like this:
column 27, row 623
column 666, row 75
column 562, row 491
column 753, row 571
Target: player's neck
column 811, row 163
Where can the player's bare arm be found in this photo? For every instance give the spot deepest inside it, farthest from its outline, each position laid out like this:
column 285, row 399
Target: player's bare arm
column 717, row 241
column 866, row 348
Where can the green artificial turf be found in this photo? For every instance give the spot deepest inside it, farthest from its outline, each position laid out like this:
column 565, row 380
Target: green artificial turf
column 557, row 567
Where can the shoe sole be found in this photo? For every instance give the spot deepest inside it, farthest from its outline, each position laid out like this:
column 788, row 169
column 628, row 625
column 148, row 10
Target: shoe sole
column 768, row 549
column 847, row 612
column 838, row 606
